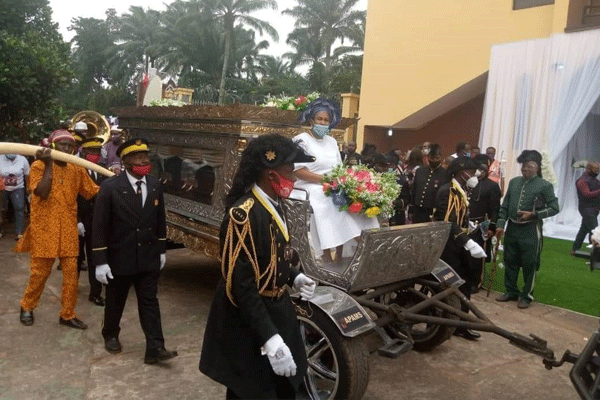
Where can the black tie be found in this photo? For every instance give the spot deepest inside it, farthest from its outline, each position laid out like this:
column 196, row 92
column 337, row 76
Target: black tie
column 139, row 193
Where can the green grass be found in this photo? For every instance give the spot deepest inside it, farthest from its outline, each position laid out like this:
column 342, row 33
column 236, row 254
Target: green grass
column 563, row 280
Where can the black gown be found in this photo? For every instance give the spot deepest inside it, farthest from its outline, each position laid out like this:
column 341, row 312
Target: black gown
column 234, row 335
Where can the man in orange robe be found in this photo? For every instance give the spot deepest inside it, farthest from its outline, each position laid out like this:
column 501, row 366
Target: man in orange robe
column 52, row 232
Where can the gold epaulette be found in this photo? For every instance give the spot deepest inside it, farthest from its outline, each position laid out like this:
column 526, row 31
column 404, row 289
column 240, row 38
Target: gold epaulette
column 239, row 214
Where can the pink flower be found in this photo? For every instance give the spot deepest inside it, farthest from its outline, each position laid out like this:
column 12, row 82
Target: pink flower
column 334, row 185
column 300, row 100
column 355, row 207
column 349, row 171
column 364, row 176
column 373, row 187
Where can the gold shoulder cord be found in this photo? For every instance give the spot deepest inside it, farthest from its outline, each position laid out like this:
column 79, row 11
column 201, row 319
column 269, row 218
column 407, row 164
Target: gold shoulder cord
column 458, row 205
column 238, row 228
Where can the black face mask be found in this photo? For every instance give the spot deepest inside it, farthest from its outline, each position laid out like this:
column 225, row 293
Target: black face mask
column 593, row 174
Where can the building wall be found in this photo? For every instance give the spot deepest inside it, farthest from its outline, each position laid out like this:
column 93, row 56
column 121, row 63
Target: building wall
column 459, row 125
column 418, row 51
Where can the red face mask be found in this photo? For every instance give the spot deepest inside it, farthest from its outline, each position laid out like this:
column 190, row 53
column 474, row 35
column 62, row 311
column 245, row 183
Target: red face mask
column 284, row 187
column 93, row 158
column 141, row 170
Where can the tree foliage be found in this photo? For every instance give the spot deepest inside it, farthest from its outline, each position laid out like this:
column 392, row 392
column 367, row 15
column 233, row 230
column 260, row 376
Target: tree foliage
column 34, row 68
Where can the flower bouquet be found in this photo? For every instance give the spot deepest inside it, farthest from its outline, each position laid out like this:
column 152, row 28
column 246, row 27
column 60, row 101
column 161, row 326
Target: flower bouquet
column 291, row 103
column 361, row 190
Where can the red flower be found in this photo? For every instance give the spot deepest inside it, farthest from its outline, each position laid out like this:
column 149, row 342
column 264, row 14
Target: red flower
column 355, row 207
column 373, row 187
column 334, row 185
column 363, row 176
column 326, row 187
column 300, row 100
column 349, row 171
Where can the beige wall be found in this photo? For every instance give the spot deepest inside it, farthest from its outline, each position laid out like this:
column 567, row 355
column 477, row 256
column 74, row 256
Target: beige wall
column 418, row 51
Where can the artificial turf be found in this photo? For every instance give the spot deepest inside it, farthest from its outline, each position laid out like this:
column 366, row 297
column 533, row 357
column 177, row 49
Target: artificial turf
column 563, row 280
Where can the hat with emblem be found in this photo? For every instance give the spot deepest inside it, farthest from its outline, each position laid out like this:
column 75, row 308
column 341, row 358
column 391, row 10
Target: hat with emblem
column 132, row 146
column 275, row 150
column 92, row 143
column 460, row 164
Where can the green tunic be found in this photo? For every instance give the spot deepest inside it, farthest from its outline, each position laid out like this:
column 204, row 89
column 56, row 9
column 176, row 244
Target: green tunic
column 523, row 239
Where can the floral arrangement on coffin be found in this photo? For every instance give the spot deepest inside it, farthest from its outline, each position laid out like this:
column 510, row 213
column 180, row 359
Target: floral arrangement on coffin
column 291, row 103
column 361, row 190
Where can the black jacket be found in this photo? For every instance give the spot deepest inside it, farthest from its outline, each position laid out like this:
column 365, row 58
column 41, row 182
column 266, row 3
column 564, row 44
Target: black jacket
column 426, row 184
column 126, row 237
column 85, row 208
column 457, row 235
column 234, row 334
column 485, row 200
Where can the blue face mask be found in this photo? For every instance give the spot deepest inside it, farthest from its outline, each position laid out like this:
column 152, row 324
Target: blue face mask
column 320, row 131
column 467, row 154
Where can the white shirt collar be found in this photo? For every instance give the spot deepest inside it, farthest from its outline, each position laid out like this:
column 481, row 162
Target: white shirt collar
column 264, row 195
column 273, row 203
column 133, row 179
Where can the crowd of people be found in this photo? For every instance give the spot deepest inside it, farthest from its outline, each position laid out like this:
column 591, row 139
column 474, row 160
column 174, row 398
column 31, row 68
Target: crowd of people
column 253, row 343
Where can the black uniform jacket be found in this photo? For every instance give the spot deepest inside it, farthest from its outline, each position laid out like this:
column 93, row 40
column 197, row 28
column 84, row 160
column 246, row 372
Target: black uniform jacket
column 404, row 198
column 85, row 208
column 234, row 335
column 457, row 236
column 426, row 185
column 126, row 237
column 485, row 200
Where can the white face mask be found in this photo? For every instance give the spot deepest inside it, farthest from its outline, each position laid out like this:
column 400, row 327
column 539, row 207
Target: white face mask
column 472, row 182
column 478, row 173
column 425, row 151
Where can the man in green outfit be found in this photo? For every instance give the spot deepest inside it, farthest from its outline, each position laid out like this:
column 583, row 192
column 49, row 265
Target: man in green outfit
column 529, row 199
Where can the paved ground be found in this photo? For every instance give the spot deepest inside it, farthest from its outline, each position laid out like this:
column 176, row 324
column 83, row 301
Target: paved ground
column 50, row 361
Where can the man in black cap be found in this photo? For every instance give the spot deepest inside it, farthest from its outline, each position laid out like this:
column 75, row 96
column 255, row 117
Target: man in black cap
column 484, row 204
column 428, row 180
column 452, row 205
column 129, row 247
column 252, row 341
column 89, row 150
column 588, row 193
column 529, row 199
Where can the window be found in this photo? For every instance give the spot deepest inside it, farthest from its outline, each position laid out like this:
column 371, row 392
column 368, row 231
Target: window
column 521, row 4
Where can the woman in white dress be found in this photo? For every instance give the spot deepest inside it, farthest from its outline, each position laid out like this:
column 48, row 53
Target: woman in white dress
column 330, row 228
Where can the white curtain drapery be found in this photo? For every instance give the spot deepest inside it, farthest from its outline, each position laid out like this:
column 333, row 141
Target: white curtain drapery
column 540, row 95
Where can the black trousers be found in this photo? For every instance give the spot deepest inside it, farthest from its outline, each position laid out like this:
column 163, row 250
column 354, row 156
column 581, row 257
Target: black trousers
column 85, row 253
column 399, row 218
column 283, row 391
column 421, row 214
column 146, row 288
column 459, row 259
column 589, row 222
column 476, row 264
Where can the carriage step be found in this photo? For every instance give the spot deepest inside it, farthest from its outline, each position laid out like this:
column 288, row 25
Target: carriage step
column 395, row 348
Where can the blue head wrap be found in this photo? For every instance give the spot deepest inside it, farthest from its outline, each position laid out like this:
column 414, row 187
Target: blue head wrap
column 318, row 105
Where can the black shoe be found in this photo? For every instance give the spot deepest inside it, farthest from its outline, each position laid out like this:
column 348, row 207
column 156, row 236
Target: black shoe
column 97, row 300
column 467, row 334
column 83, row 267
column 506, row 297
column 59, row 268
column 161, row 354
column 523, row 304
column 112, row 345
column 474, row 289
column 26, row 317
column 73, row 323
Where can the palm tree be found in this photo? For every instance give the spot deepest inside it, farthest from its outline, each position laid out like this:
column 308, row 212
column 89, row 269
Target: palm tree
column 274, row 68
column 137, row 38
column 232, row 11
column 307, row 45
column 332, row 19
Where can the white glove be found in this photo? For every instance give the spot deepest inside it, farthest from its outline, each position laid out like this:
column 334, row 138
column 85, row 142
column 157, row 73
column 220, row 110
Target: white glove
column 163, row 260
column 81, row 229
column 596, row 236
column 475, row 249
column 280, row 356
column 103, row 273
column 306, row 286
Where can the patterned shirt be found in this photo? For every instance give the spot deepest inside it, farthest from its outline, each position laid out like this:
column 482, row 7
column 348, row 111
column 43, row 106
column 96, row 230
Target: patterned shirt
column 52, row 231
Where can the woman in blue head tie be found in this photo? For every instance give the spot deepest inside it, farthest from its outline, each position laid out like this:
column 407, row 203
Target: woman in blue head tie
column 330, row 228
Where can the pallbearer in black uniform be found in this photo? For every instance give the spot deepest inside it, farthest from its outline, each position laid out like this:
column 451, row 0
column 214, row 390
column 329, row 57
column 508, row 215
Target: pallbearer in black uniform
column 484, row 204
column 452, row 205
column 129, row 245
column 428, row 180
column 252, row 342
column 90, row 150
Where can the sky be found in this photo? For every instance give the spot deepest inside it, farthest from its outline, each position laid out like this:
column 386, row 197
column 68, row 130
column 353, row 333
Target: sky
column 65, row 10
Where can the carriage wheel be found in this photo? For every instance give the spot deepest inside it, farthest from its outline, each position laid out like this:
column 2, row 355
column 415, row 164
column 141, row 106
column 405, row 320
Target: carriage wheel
column 426, row 336
column 338, row 366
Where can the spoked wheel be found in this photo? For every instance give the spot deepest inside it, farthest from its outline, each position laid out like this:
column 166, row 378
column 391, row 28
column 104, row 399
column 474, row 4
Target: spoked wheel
column 426, row 336
column 338, row 366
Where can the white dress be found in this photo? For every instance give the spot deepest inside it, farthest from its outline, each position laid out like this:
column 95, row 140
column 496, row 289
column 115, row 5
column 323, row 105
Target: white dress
column 329, row 226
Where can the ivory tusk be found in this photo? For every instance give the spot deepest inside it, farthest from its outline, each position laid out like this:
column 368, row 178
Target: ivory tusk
column 30, row 150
